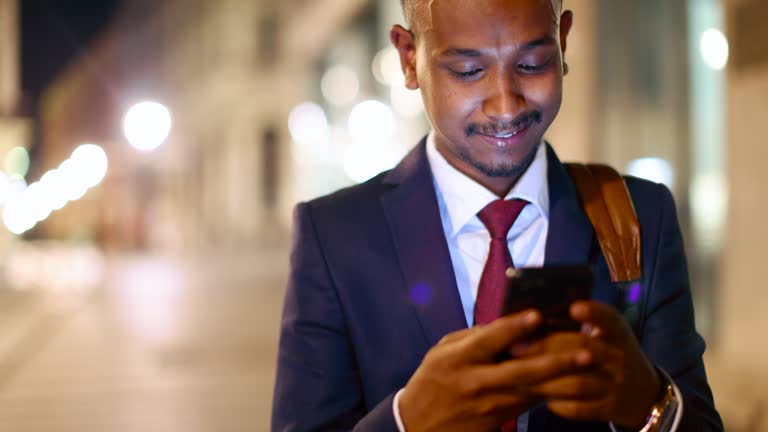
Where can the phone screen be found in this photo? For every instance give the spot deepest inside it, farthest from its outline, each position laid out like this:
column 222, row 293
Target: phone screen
column 551, row 290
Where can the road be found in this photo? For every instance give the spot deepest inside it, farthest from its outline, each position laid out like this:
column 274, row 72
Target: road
column 157, row 343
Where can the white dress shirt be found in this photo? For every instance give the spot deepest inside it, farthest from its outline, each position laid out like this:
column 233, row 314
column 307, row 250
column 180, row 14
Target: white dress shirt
column 460, row 199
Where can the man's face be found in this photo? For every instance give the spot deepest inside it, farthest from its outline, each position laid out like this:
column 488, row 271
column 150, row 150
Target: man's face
column 491, row 74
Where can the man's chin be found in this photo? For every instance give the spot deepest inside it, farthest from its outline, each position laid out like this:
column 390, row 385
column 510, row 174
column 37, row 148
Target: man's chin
column 511, row 167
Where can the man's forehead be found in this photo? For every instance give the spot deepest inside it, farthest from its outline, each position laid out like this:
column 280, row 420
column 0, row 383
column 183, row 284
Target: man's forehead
column 422, row 12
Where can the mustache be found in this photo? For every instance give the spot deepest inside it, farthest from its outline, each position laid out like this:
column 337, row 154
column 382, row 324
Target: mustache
column 525, row 119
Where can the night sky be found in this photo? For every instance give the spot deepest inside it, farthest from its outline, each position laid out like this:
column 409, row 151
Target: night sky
column 53, row 34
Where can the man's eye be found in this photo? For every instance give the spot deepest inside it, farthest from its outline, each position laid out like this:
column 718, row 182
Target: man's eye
column 468, row 74
column 534, row 68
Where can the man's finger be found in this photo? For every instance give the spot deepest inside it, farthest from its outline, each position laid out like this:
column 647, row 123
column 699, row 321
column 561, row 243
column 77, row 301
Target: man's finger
column 580, row 410
column 588, row 384
column 598, row 351
column 457, row 335
column 521, row 373
column 605, row 318
column 488, row 341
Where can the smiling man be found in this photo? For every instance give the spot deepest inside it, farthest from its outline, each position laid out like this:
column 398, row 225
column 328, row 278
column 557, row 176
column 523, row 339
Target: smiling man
column 391, row 312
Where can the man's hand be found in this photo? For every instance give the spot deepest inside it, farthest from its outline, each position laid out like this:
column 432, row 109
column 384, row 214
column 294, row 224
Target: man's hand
column 461, row 385
column 620, row 385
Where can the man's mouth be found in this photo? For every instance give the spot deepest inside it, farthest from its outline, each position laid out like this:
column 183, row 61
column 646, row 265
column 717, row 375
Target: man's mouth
column 505, row 131
column 509, row 133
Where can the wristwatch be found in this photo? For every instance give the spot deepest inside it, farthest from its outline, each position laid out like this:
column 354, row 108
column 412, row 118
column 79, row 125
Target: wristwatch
column 664, row 413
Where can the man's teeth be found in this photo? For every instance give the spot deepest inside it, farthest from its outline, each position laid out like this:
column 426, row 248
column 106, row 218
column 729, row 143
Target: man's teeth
column 507, row 135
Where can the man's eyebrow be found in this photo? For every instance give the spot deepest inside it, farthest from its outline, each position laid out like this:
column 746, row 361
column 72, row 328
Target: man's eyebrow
column 546, row 40
column 461, row 52
column 469, row 52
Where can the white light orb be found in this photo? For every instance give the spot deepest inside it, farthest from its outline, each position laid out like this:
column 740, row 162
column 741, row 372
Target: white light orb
column 147, row 125
column 17, row 186
column 17, row 215
column 714, row 49
column 340, row 85
column 386, row 68
column 310, row 131
column 709, row 209
column 35, row 198
column 54, row 187
column 406, row 102
column 92, row 162
column 371, row 120
column 73, row 182
column 654, row 169
column 365, row 160
column 308, row 123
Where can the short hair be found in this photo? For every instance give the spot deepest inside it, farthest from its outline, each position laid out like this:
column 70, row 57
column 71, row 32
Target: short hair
column 411, row 9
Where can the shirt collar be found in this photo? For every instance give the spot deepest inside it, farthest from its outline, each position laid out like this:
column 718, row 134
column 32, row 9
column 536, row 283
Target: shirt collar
column 464, row 198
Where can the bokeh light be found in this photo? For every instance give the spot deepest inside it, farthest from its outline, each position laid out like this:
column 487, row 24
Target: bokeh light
column 16, row 161
column 147, row 125
column 654, row 169
column 714, row 49
column 406, row 102
column 386, row 68
column 310, row 131
column 371, row 120
column 26, row 206
column 308, row 123
column 91, row 162
column 340, row 85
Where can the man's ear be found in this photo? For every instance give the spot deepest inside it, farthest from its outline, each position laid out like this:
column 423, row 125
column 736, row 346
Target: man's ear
column 566, row 22
column 405, row 43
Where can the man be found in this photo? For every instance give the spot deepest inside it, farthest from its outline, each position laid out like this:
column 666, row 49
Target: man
column 388, row 277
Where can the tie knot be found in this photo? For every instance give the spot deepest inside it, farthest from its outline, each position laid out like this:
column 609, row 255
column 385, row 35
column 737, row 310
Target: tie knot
column 499, row 216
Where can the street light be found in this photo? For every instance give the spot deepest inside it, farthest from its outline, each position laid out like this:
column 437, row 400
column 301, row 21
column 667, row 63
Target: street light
column 146, row 125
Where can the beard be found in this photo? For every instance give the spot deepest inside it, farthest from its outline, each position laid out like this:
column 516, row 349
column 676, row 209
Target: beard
column 501, row 169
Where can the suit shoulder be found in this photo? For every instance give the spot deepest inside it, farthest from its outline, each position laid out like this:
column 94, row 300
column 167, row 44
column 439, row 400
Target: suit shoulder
column 653, row 201
column 646, row 192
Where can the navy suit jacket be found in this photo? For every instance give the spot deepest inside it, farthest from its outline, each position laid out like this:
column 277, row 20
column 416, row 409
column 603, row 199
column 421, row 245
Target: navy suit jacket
column 372, row 289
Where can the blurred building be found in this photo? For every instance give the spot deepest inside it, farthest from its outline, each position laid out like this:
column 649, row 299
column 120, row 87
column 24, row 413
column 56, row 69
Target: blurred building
column 270, row 103
column 15, row 129
column 230, row 71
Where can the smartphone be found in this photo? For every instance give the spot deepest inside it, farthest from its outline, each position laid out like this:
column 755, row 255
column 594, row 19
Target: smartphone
column 551, row 290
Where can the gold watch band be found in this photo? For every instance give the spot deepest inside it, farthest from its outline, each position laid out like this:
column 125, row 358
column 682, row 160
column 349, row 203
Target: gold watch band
column 663, row 411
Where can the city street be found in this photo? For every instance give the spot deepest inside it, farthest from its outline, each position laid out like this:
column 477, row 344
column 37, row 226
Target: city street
column 159, row 344
column 163, row 343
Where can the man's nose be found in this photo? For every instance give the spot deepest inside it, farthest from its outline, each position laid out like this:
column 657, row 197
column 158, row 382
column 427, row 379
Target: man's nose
column 505, row 100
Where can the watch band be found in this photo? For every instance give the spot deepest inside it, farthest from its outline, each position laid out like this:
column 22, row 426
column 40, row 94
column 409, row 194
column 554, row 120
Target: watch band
column 663, row 413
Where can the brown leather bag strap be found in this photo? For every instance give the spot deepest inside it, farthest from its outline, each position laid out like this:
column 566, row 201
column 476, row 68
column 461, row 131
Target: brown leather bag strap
column 606, row 201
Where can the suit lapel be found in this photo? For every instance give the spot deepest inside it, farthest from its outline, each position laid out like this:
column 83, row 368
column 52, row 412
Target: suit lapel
column 569, row 240
column 414, row 219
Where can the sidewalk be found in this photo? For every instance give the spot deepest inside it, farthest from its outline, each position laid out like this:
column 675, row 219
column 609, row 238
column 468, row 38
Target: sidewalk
column 163, row 344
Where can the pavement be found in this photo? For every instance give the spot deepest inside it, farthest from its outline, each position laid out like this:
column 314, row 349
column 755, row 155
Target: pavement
column 165, row 343
column 158, row 344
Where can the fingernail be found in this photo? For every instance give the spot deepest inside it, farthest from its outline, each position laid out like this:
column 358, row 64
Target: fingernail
column 531, row 317
column 578, row 309
column 583, row 358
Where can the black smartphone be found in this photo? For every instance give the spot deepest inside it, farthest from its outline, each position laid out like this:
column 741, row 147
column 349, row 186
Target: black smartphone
column 551, row 290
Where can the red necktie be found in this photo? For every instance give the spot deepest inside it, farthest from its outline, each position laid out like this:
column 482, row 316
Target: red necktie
column 498, row 217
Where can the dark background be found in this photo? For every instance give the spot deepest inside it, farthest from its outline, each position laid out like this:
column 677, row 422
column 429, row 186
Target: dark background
column 53, row 34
